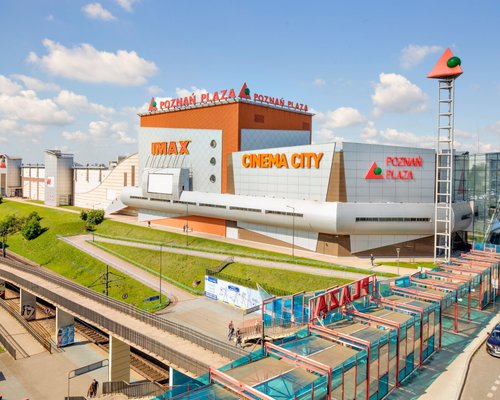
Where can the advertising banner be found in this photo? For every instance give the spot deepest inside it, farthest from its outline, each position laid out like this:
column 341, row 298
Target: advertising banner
column 66, row 336
column 230, row 293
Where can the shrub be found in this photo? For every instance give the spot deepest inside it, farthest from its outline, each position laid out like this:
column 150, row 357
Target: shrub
column 31, row 229
column 89, row 226
column 34, row 215
column 83, row 215
column 95, row 217
column 1, row 199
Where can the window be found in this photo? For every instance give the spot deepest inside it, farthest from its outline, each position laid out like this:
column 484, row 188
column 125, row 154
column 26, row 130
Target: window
column 259, row 118
column 213, row 144
column 212, row 205
column 212, row 178
column 245, row 209
column 284, row 213
column 132, row 173
column 124, row 179
column 213, row 161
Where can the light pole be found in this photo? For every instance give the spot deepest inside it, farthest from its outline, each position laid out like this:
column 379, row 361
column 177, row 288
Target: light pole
column 161, row 252
column 397, row 251
column 293, row 231
column 187, row 224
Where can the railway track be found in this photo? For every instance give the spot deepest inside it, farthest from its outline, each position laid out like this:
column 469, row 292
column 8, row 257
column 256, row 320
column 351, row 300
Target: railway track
column 46, row 324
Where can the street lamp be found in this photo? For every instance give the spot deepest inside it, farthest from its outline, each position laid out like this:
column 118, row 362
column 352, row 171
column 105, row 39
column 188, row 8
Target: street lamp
column 161, row 252
column 187, row 224
column 397, row 251
column 293, row 231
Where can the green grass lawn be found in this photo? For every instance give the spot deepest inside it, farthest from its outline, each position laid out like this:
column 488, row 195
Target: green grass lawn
column 142, row 234
column 186, row 269
column 48, row 251
column 404, row 264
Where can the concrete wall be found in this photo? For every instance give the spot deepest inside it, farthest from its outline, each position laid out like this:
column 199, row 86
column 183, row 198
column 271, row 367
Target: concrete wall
column 58, row 178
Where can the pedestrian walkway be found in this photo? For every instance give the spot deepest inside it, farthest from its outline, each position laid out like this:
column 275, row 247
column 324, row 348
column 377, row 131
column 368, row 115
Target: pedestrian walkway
column 352, row 261
column 22, row 341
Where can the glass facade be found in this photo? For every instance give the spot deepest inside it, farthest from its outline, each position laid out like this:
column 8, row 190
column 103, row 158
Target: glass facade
column 477, row 179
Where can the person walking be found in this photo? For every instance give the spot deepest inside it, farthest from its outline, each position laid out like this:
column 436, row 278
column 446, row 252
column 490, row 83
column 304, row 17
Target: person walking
column 372, row 259
column 238, row 338
column 230, row 330
column 94, row 385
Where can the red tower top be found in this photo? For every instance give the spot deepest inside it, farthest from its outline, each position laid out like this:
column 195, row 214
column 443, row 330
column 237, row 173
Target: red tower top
column 448, row 66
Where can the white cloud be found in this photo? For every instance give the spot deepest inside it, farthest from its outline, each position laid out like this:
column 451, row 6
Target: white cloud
column 36, row 84
column 154, row 90
column 9, row 128
column 97, row 11
column 50, row 18
column 342, row 117
column 87, row 64
column 126, row 4
column 77, row 136
column 8, row 87
column 369, row 132
column 414, row 54
column 395, row 93
column 102, row 131
column 73, row 101
column 182, row 92
column 26, row 106
column 319, row 82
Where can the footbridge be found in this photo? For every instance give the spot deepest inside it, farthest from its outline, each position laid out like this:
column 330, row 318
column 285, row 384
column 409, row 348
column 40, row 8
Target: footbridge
column 181, row 348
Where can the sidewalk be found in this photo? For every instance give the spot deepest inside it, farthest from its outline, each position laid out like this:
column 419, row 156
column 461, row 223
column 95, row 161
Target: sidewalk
column 25, row 344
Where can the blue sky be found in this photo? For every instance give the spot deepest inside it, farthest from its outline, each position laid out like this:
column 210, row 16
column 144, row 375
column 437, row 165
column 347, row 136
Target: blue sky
column 74, row 74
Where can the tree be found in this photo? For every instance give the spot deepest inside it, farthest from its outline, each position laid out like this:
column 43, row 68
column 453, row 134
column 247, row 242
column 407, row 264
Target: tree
column 95, row 217
column 31, row 229
column 83, row 215
column 8, row 226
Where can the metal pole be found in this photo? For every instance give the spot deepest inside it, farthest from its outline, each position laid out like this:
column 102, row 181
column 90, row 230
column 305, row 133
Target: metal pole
column 397, row 250
column 187, row 224
column 161, row 253
column 107, row 279
column 293, row 231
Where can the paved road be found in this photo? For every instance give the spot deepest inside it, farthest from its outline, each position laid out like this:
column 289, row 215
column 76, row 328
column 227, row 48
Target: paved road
column 483, row 379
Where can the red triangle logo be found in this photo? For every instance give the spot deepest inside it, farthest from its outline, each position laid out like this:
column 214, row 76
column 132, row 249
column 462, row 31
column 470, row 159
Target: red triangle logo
column 243, row 92
column 152, row 105
column 372, row 174
column 441, row 69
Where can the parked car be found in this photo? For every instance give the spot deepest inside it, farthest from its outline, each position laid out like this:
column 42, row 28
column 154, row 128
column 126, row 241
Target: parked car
column 493, row 342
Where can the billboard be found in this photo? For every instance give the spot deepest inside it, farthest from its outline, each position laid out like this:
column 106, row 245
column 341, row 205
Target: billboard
column 230, row 293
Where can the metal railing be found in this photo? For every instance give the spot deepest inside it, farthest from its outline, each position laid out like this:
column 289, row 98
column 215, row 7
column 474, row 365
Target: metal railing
column 200, row 339
column 42, row 339
column 170, row 355
column 5, row 343
column 141, row 389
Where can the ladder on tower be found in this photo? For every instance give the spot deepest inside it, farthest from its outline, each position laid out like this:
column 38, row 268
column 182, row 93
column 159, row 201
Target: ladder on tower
column 443, row 214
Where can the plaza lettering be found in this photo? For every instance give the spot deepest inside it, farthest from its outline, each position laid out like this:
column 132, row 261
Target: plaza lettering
column 279, row 102
column 341, row 296
column 170, row 148
column 280, row 160
column 402, row 174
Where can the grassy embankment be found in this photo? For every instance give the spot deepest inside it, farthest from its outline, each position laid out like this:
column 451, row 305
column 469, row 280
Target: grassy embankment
column 187, row 269
column 129, row 232
column 404, row 264
column 50, row 252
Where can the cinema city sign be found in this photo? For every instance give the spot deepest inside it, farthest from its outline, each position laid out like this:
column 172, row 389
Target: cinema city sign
column 224, row 95
column 281, row 160
column 375, row 172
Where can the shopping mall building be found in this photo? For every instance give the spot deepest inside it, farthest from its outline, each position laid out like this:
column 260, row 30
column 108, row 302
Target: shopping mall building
column 241, row 165
column 245, row 168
